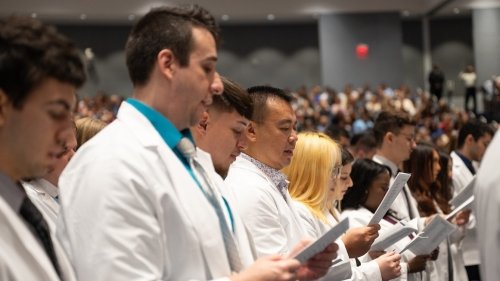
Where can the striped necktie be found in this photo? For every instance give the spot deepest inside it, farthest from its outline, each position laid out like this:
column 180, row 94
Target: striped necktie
column 188, row 150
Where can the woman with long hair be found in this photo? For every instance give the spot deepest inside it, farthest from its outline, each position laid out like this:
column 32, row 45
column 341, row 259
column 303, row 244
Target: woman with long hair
column 370, row 184
column 430, row 184
column 314, row 173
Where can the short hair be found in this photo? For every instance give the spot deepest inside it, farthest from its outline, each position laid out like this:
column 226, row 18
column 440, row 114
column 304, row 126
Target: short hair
column 87, row 128
column 260, row 95
column 31, row 52
column 233, row 98
column 315, row 157
column 167, row 27
column 364, row 172
column 390, row 122
column 475, row 128
column 364, row 140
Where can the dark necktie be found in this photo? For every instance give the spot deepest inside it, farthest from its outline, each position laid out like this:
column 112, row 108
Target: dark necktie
column 34, row 218
column 188, row 150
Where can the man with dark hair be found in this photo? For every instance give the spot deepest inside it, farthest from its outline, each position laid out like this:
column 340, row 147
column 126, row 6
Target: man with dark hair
column 473, row 139
column 261, row 188
column 40, row 71
column 136, row 202
column 395, row 138
column 221, row 129
column 220, row 139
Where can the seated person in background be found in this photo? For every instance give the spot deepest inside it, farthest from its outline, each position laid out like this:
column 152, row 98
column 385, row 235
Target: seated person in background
column 363, row 145
column 317, row 182
column 370, row 183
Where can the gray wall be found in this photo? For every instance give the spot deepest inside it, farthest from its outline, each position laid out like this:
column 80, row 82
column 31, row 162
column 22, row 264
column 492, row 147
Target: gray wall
column 413, row 66
column 289, row 55
column 285, row 56
column 452, row 49
column 340, row 33
column 486, row 42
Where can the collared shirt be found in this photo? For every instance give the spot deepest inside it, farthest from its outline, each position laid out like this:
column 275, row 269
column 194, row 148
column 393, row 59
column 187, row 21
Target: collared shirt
column 277, row 177
column 168, row 132
column 467, row 162
column 11, row 193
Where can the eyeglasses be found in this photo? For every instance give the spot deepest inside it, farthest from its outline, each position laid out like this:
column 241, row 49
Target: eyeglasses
column 336, row 172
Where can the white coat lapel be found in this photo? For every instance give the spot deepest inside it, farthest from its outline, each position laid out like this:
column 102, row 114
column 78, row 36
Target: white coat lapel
column 20, row 237
column 200, row 213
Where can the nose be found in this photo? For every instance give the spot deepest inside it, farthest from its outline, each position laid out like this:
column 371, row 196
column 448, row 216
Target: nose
column 242, row 143
column 217, row 87
column 293, row 136
column 66, row 134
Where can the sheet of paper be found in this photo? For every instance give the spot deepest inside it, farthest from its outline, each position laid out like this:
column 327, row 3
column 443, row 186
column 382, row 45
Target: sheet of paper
column 340, row 270
column 465, row 205
column 322, row 242
column 465, row 194
column 390, row 196
column 432, row 235
column 391, row 235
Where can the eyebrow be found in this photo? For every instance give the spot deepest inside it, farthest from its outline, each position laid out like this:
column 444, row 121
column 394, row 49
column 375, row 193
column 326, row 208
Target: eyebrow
column 62, row 103
column 283, row 122
column 211, row 58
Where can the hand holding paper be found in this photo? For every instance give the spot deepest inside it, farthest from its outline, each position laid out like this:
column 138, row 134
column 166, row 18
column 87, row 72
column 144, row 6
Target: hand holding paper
column 322, row 242
column 432, row 235
column 390, row 196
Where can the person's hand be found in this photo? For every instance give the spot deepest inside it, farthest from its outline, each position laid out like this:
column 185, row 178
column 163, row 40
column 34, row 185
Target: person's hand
column 375, row 254
column 270, row 268
column 462, row 217
column 434, row 255
column 418, row 263
column 318, row 265
column 389, row 265
column 358, row 240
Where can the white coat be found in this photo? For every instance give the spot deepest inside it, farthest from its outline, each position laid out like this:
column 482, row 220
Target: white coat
column 315, row 228
column 131, row 211
column 22, row 257
column 242, row 236
column 461, row 178
column 42, row 194
column 272, row 221
column 487, row 201
column 400, row 205
column 361, row 217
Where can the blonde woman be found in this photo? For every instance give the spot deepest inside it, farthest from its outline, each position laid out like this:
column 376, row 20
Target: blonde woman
column 87, row 128
column 313, row 174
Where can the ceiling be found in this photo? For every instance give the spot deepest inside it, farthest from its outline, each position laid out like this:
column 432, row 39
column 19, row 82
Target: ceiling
column 230, row 11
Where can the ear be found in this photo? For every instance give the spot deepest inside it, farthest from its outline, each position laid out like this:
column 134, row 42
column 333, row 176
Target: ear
column 389, row 137
column 469, row 139
column 201, row 127
column 167, row 63
column 251, row 132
